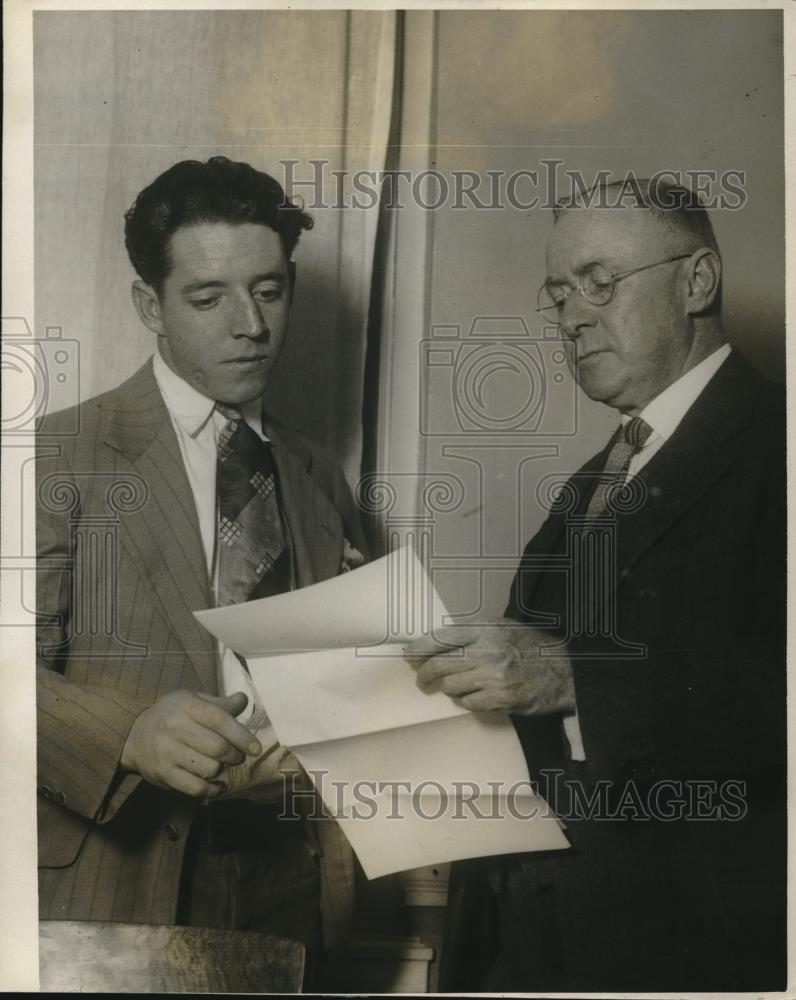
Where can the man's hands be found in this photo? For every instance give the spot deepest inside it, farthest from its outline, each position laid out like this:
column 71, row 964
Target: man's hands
column 184, row 739
column 494, row 667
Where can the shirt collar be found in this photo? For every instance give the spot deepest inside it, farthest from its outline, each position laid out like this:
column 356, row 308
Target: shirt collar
column 668, row 408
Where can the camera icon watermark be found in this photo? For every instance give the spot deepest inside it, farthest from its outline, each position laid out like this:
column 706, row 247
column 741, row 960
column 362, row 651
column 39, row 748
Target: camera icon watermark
column 496, row 378
column 40, row 375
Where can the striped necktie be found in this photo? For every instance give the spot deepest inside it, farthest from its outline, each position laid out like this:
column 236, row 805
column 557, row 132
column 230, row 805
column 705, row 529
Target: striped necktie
column 253, row 558
column 630, row 439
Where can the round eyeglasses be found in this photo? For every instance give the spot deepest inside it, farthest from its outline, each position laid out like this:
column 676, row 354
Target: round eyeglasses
column 596, row 284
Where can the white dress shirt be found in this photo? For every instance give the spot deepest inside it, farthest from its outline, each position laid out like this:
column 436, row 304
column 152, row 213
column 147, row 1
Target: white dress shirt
column 663, row 414
column 197, row 425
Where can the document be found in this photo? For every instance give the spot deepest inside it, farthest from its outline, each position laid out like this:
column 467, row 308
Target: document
column 412, row 778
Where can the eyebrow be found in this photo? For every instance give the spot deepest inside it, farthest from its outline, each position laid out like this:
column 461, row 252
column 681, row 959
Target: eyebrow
column 197, row 286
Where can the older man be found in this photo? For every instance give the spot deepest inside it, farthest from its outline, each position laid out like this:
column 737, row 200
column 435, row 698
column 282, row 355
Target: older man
column 158, row 770
column 653, row 711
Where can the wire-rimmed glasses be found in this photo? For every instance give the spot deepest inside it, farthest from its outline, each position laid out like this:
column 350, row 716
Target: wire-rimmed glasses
column 596, row 284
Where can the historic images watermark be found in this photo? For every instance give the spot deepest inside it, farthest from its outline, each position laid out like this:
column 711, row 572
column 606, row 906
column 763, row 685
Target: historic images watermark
column 40, row 374
column 663, row 800
column 41, row 377
column 319, row 186
column 457, row 366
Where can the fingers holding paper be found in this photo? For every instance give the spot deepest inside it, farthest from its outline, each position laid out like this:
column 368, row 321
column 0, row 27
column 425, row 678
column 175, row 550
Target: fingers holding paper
column 494, row 667
column 266, row 778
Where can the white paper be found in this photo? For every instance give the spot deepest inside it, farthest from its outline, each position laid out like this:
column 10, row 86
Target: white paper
column 432, row 799
column 412, row 778
column 389, row 600
column 328, row 695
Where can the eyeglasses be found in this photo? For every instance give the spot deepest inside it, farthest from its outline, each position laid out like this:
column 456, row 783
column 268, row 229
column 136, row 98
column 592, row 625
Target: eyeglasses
column 596, row 284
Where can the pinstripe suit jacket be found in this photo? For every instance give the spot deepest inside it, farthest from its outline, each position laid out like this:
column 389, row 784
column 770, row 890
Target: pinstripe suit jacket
column 121, row 568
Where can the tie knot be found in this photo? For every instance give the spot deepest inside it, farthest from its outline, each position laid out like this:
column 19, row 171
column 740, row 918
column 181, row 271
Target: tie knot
column 636, row 432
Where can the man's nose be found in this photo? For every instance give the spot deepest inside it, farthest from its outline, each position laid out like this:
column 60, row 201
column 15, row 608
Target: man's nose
column 249, row 320
column 576, row 315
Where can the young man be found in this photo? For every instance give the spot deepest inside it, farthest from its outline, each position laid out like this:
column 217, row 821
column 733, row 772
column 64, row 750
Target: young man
column 159, row 775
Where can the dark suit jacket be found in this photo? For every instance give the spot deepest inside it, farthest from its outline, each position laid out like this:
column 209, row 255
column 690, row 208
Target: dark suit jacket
column 121, row 569
column 698, row 580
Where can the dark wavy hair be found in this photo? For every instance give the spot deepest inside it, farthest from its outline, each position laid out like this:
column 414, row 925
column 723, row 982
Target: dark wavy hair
column 192, row 192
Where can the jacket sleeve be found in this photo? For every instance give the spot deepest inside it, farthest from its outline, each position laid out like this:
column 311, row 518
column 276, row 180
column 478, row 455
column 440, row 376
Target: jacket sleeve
column 81, row 729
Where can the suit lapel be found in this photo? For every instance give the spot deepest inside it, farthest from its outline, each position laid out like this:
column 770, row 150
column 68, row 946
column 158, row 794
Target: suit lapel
column 547, row 543
column 314, row 524
column 164, row 537
column 683, row 470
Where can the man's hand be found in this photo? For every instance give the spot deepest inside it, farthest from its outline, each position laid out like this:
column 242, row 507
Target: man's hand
column 184, row 739
column 266, row 778
column 494, row 667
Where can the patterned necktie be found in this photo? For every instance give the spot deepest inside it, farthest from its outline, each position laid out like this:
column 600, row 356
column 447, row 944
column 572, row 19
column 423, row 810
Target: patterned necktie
column 630, row 439
column 253, row 559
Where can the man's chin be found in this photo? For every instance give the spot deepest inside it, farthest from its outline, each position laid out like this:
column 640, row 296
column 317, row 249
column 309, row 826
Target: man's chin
column 600, row 390
column 236, row 392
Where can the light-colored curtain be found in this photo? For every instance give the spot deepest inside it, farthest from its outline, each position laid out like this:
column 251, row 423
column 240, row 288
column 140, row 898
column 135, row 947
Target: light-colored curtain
column 120, row 96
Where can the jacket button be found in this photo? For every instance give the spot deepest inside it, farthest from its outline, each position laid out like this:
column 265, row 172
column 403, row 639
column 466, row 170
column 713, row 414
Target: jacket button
column 59, row 797
column 172, row 832
column 46, row 792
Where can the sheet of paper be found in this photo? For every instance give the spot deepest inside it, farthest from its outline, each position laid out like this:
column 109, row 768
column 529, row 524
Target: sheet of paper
column 390, row 600
column 412, row 778
column 384, row 848
column 443, row 752
column 428, row 794
column 331, row 694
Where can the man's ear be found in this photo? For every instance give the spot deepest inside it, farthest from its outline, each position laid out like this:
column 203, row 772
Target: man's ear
column 291, row 276
column 147, row 305
column 704, row 278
